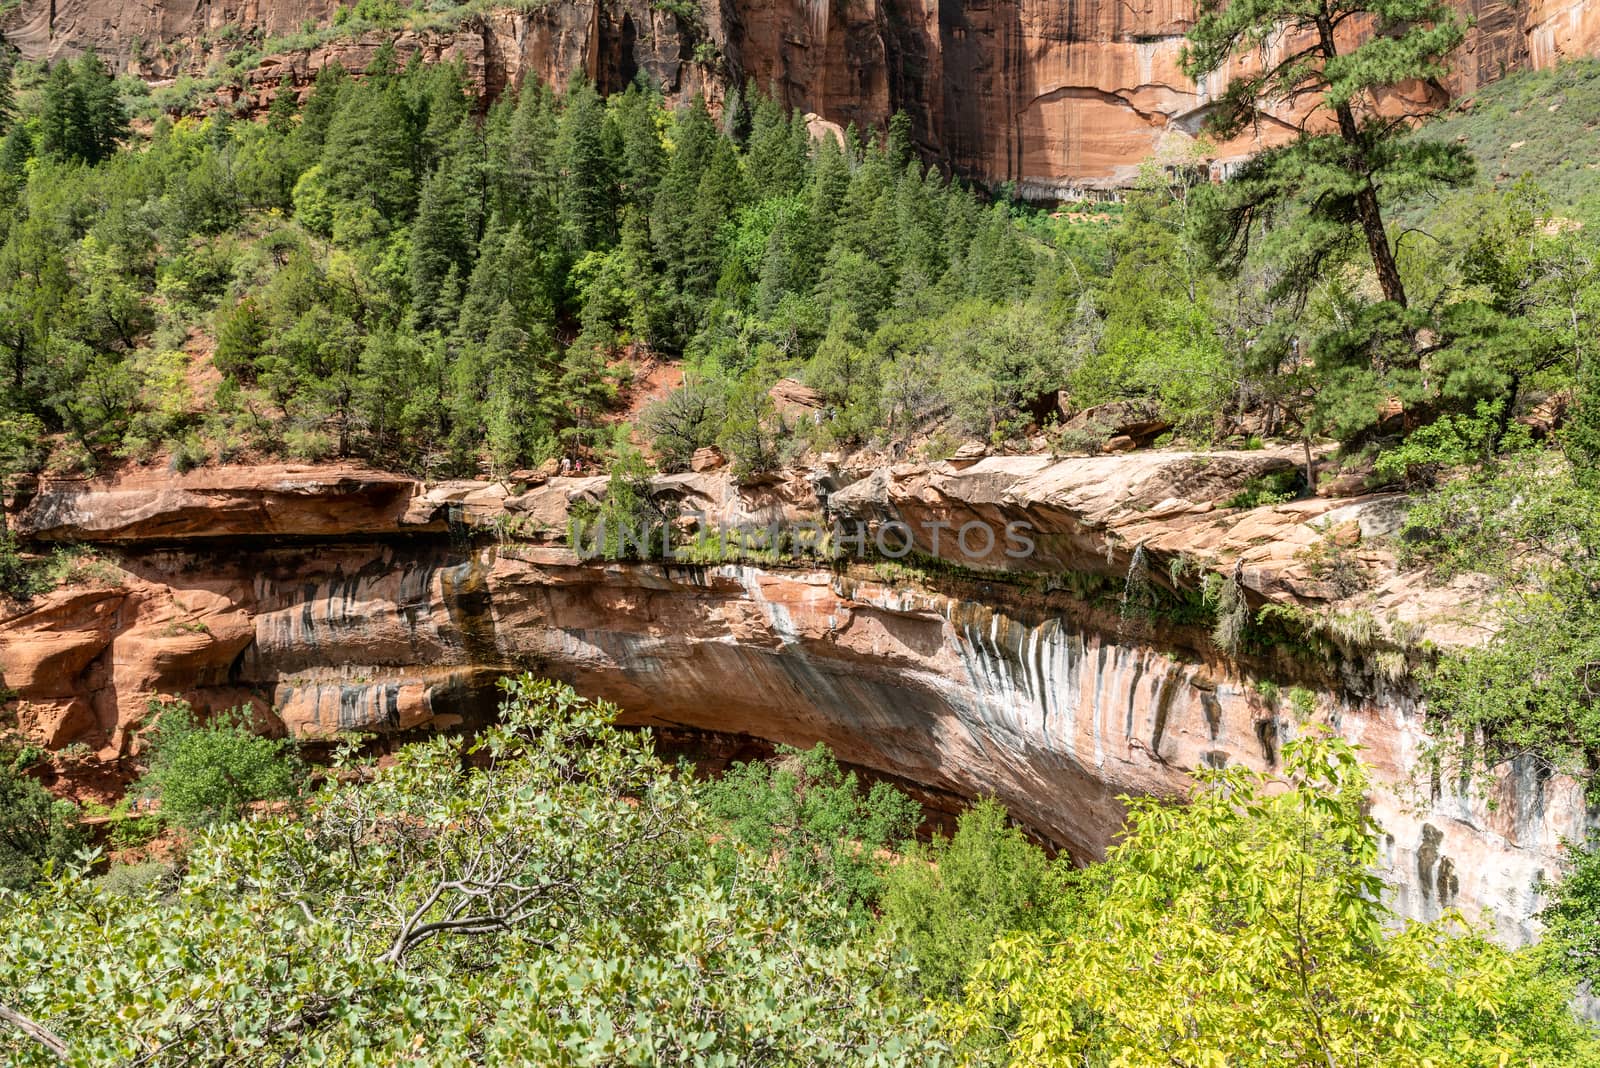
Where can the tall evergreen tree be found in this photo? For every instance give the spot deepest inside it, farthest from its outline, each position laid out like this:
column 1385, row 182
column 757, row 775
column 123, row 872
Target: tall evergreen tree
column 8, row 100
column 1328, row 186
column 774, row 162
column 521, row 171
column 439, row 244
column 368, row 159
column 285, row 108
column 588, row 184
column 64, row 116
column 643, row 158
column 321, row 106
column 719, row 194
column 694, row 139
column 439, row 106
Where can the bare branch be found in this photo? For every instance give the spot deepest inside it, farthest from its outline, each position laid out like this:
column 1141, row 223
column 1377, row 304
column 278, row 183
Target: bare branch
column 36, row 1031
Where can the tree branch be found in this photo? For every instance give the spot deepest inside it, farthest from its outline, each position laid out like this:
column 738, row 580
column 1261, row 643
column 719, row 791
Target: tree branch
column 36, row 1031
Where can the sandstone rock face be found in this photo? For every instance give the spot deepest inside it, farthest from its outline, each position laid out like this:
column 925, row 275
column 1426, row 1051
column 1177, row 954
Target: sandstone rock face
column 1012, row 677
column 610, row 41
column 1056, row 97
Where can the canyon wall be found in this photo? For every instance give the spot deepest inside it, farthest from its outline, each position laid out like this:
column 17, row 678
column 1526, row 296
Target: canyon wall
column 341, row 599
column 1057, row 97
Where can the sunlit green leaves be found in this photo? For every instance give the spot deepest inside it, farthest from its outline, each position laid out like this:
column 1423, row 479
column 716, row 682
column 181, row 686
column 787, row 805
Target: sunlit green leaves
column 543, row 894
column 1248, row 927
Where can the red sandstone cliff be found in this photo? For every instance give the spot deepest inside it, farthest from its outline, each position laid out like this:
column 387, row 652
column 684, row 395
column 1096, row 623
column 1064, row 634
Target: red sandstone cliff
column 1054, row 96
column 341, row 598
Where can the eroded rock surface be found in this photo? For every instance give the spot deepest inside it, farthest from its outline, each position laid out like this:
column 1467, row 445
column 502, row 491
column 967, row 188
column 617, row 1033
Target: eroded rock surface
column 343, row 599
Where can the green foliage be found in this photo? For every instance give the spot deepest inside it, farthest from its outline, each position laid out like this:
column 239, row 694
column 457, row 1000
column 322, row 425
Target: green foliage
column 1529, row 524
column 749, row 433
column 1267, row 490
column 204, row 772
column 822, row 826
column 388, row 274
column 134, row 880
column 384, row 275
column 1248, row 927
column 80, row 111
column 947, row 903
column 18, row 577
column 1533, row 123
column 1449, row 442
column 1325, row 185
column 683, row 422
column 1231, row 611
column 39, row 835
column 545, row 893
column 1571, row 943
column 628, row 524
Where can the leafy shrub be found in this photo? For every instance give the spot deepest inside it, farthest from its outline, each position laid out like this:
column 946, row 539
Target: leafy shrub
column 682, row 422
column 1249, row 926
column 602, row 927
column 1449, row 441
column 1264, row 491
column 946, row 904
column 208, row 771
column 824, row 828
column 1530, row 524
column 627, row 523
column 18, row 576
column 37, row 831
column 134, row 880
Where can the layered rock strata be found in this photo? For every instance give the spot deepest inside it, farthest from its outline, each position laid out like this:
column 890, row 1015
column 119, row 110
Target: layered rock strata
column 342, row 599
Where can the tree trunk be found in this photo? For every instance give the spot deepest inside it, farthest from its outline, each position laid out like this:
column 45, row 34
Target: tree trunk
column 1367, row 209
column 1378, row 246
column 1371, row 215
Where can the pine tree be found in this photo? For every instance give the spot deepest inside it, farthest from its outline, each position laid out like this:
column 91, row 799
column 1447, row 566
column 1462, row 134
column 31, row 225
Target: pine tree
column 439, row 242
column 518, row 395
column 367, row 161
column 774, row 162
column 588, row 185
column 399, row 395
column 781, row 273
column 899, row 148
column 512, row 269
column 694, row 139
column 586, row 387
column 64, row 116
column 285, row 108
column 847, row 376
column 15, row 151
column 643, row 157
column 385, row 64
column 918, row 226
column 321, row 106
column 830, row 181
column 719, row 195
column 241, row 340
column 439, row 106
column 107, row 122
column 1329, row 186
column 8, row 100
